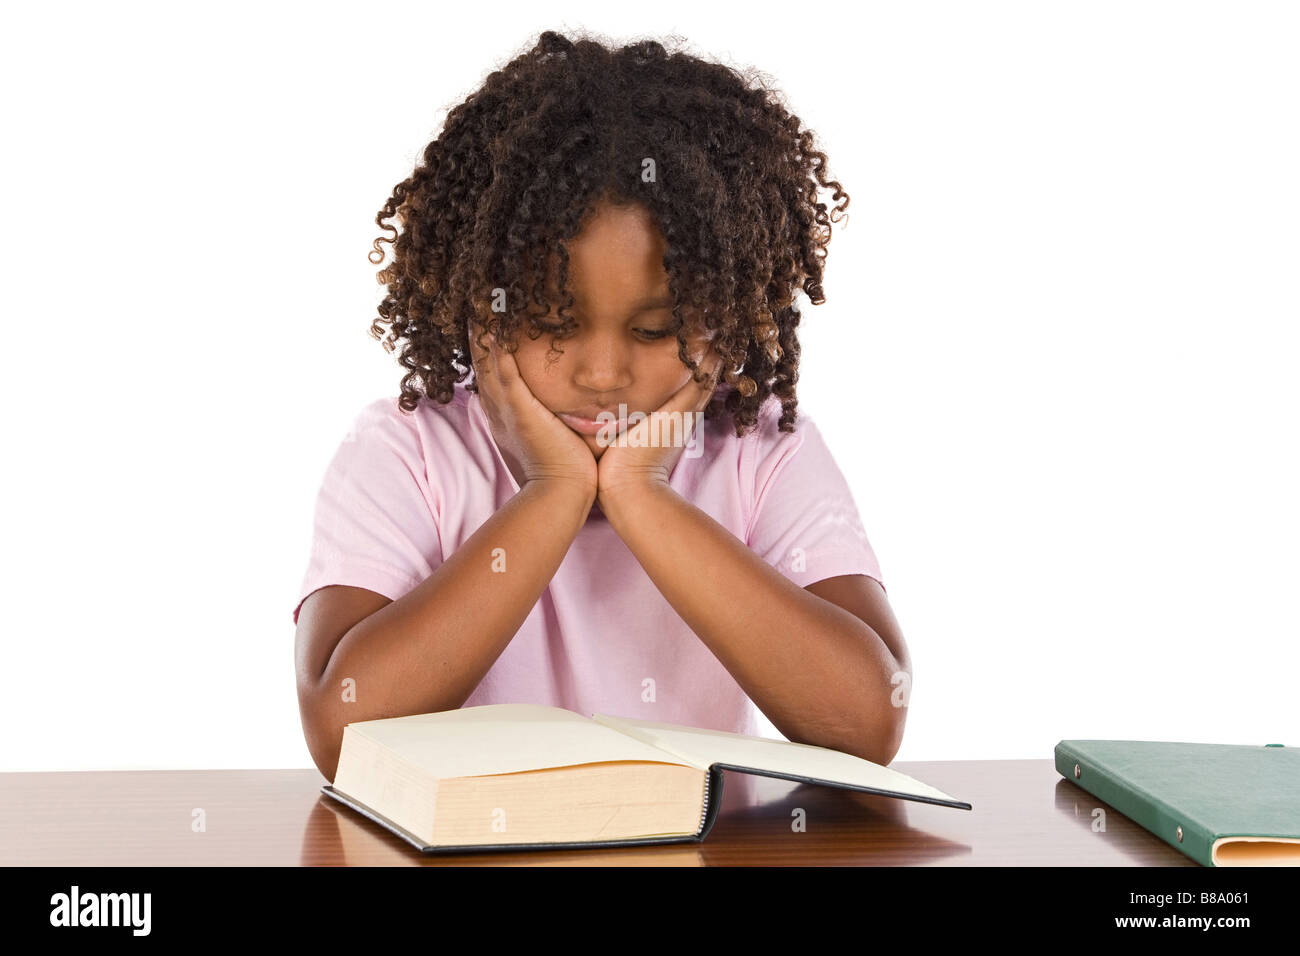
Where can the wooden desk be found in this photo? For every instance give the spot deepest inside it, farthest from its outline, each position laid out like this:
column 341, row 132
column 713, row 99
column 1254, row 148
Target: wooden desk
column 1024, row 814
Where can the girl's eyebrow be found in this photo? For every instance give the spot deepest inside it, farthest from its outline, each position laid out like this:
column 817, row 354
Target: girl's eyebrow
column 645, row 305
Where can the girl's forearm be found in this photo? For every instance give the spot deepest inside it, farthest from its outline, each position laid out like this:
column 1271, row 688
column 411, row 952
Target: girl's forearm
column 821, row 675
column 428, row 650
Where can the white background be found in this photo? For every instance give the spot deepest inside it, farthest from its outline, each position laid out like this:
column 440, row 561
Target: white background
column 1057, row 363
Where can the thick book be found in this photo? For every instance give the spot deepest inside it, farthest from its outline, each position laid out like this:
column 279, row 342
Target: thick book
column 526, row 776
column 1220, row 804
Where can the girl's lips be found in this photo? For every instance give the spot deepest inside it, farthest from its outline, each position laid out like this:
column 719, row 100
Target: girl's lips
column 589, row 426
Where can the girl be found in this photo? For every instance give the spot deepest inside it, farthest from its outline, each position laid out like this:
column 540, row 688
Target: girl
column 608, row 240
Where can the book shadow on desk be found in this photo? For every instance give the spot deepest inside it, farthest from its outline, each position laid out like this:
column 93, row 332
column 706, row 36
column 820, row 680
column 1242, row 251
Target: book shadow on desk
column 761, row 820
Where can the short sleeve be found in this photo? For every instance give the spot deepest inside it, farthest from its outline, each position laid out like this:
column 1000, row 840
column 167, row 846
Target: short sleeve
column 374, row 525
column 804, row 520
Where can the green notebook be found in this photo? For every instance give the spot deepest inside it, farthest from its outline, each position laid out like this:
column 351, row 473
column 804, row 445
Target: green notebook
column 1221, row 804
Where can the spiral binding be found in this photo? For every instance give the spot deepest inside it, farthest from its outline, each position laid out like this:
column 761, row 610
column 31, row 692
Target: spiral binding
column 704, row 813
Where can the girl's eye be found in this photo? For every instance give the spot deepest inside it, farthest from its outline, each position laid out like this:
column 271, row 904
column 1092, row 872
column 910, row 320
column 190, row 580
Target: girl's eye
column 650, row 335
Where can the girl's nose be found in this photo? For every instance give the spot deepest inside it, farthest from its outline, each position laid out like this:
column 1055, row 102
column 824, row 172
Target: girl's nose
column 601, row 363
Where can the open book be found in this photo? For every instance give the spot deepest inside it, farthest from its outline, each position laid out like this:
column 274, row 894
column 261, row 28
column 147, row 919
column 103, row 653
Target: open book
column 526, row 776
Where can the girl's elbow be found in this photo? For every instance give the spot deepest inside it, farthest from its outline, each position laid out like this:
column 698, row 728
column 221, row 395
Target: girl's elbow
column 323, row 734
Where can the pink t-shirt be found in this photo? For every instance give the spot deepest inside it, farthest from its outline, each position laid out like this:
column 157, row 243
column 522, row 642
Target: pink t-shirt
column 404, row 490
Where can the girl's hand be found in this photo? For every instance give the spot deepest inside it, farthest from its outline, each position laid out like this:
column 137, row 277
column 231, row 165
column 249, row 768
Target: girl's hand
column 543, row 445
column 634, row 461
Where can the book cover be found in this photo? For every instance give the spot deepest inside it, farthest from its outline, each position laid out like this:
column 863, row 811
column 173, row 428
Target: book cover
column 1220, row 804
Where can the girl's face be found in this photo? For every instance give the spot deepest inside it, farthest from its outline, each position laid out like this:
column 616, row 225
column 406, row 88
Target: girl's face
column 621, row 351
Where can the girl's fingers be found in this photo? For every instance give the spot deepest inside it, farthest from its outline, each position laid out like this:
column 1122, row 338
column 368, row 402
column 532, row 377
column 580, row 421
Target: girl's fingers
column 507, row 386
column 709, row 387
column 693, row 396
column 486, row 359
column 504, row 364
column 487, row 373
column 478, row 352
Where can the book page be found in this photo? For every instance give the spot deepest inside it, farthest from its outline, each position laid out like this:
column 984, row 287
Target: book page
column 702, row 748
column 503, row 738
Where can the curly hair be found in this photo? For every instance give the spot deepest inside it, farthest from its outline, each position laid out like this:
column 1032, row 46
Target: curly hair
column 728, row 175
